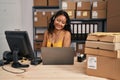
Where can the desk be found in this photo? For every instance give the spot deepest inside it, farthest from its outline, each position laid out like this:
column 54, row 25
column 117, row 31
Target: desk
column 49, row 72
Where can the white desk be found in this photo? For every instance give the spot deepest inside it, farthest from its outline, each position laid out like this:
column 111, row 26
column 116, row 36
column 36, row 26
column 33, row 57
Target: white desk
column 49, row 72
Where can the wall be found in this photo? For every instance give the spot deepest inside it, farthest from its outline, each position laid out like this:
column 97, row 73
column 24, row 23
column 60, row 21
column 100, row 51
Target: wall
column 15, row 14
column 10, row 19
column 27, row 21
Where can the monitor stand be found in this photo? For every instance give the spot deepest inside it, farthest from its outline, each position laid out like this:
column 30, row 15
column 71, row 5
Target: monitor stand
column 15, row 63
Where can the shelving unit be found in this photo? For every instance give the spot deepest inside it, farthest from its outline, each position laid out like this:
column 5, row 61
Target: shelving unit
column 80, row 27
column 41, row 16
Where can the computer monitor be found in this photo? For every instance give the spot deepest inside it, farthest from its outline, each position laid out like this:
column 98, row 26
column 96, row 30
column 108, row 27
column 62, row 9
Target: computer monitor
column 20, row 46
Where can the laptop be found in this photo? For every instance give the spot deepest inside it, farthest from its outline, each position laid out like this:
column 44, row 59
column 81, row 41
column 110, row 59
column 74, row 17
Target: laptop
column 57, row 55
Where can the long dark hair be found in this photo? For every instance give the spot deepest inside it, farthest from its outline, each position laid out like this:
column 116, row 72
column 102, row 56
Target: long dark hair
column 51, row 26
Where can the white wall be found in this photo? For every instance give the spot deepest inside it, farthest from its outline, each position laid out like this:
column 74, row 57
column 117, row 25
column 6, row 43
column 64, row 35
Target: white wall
column 27, row 21
column 15, row 14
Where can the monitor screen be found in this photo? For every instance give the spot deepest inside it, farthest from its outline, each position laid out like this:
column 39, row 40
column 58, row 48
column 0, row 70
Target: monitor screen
column 19, row 45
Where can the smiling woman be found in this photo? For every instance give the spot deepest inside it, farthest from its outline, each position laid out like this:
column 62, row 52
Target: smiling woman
column 59, row 31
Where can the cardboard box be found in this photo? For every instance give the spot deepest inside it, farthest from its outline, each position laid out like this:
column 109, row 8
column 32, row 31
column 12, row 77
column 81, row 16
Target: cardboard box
column 113, row 16
column 40, row 3
column 80, row 48
column 83, row 5
column 113, row 9
column 40, row 19
column 97, row 0
column 49, row 14
column 37, row 46
column 69, row 5
column 99, row 5
column 104, row 36
column 102, row 66
column 103, row 45
column 82, row 14
column 39, row 36
column 53, row 3
column 106, row 53
column 113, row 22
column 71, row 13
column 99, row 14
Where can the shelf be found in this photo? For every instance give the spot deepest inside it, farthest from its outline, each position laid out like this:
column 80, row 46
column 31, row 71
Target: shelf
column 88, row 19
column 79, row 41
column 42, row 27
column 46, row 7
column 38, row 40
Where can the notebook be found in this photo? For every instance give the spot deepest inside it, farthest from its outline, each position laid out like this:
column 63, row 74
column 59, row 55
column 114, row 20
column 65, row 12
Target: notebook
column 57, row 55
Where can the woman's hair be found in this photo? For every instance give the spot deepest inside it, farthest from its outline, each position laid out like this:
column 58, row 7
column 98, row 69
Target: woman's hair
column 51, row 26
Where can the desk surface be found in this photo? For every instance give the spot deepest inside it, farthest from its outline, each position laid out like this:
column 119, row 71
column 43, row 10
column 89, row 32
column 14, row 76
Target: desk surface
column 49, row 72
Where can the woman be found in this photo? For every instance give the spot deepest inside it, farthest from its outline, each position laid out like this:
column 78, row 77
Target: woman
column 58, row 33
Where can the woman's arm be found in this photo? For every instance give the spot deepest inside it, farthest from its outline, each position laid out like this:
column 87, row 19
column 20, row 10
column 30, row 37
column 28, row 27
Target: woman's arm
column 44, row 43
column 67, row 39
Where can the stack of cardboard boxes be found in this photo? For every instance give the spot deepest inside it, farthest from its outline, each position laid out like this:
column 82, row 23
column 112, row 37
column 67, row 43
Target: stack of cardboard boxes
column 42, row 15
column 38, row 43
column 46, row 3
column 99, row 9
column 77, row 9
column 41, row 20
column 103, row 55
column 42, row 12
column 83, row 10
column 69, row 7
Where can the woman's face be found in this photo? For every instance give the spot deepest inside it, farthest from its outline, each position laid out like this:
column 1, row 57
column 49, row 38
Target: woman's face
column 60, row 22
